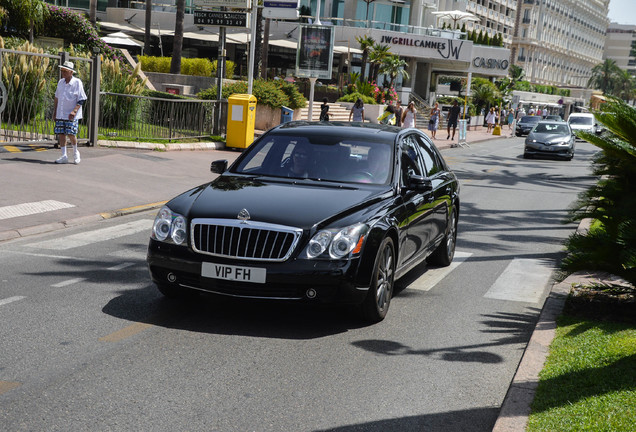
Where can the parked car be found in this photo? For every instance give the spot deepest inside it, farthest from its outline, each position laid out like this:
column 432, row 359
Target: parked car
column 525, row 124
column 314, row 212
column 551, row 139
column 553, row 117
column 584, row 122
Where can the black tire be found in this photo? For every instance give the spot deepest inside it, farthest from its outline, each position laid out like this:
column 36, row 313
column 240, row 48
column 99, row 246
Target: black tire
column 443, row 255
column 376, row 304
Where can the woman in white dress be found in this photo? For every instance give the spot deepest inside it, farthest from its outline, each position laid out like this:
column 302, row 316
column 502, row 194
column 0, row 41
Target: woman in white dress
column 408, row 116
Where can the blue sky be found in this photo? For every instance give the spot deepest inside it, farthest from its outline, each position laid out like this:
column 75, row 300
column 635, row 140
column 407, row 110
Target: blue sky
column 623, row 11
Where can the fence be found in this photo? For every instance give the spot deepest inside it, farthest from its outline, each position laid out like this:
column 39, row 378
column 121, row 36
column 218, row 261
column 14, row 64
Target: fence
column 142, row 117
column 28, row 84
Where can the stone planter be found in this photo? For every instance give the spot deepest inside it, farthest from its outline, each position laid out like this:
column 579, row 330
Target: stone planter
column 267, row 117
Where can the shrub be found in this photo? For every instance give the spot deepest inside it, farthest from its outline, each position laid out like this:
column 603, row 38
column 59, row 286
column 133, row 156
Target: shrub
column 352, row 97
column 118, row 111
column 189, row 66
column 272, row 93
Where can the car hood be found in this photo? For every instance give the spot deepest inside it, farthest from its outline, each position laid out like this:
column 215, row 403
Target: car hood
column 301, row 203
column 547, row 137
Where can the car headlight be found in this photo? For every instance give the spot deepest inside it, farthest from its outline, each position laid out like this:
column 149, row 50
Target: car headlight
column 169, row 225
column 337, row 243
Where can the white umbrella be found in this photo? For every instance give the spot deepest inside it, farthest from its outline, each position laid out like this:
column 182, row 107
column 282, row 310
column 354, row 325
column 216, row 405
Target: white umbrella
column 456, row 15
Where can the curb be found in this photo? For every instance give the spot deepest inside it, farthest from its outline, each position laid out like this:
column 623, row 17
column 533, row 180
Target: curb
column 162, row 147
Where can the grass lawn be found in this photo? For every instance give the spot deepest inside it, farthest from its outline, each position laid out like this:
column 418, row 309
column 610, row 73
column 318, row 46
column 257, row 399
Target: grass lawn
column 589, row 380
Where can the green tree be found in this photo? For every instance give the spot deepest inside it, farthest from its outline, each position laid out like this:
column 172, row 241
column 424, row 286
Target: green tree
column 394, row 66
column 610, row 244
column 516, row 73
column 484, row 93
column 376, row 57
column 366, row 42
column 604, row 76
column 624, row 85
column 24, row 17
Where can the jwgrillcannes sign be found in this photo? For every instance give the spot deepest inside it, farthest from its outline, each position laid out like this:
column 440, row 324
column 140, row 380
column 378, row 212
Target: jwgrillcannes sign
column 314, row 57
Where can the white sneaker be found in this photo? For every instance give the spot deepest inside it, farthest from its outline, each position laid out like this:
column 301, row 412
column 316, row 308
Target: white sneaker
column 77, row 158
column 62, row 159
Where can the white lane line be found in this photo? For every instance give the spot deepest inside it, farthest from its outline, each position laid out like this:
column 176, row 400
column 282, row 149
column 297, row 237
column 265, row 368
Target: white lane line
column 11, row 300
column 433, row 276
column 68, row 282
column 130, row 254
column 120, row 266
column 25, row 209
column 90, row 237
column 524, row 280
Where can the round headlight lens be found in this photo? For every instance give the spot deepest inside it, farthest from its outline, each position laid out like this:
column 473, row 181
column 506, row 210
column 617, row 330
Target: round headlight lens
column 344, row 242
column 178, row 233
column 162, row 225
column 318, row 244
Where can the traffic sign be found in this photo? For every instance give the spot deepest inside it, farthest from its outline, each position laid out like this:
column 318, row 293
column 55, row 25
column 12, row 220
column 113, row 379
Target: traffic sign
column 225, row 19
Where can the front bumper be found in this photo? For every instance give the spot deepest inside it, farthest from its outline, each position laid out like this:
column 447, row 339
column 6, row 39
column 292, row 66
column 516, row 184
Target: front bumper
column 295, row 279
column 537, row 149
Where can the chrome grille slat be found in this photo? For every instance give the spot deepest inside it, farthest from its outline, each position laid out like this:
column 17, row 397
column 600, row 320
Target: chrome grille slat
column 241, row 239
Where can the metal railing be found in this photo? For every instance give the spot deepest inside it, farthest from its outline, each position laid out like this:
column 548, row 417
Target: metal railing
column 142, row 117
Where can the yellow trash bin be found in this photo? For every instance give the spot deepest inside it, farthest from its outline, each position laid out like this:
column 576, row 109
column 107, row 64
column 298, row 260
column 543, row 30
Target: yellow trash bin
column 240, row 120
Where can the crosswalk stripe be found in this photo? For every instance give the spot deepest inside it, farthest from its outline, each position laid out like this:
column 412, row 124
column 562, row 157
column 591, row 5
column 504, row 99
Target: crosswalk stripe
column 25, row 209
column 434, row 275
column 95, row 236
column 524, row 280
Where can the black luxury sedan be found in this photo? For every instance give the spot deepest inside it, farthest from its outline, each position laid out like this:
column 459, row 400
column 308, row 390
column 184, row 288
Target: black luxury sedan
column 525, row 124
column 551, row 139
column 315, row 212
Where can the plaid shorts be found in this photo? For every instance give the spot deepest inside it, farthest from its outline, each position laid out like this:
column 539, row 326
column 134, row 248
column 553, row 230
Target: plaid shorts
column 66, row 127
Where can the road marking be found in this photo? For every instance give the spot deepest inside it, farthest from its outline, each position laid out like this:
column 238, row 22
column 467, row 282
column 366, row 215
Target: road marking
column 126, row 332
column 12, row 149
column 120, row 266
column 524, row 280
column 434, row 275
column 90, row 237
column 130, row 254
column 26, row 209
column 6, row 386
column 11, row 300
column 68, row 282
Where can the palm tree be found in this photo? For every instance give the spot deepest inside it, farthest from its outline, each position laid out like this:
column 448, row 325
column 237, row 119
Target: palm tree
column 92, row 11
column 175, row 63
column 624, row 86
column 516, row 73
column 376, row 56
column 394, row 66
column 603, row 76
column 148, row 25
column 365, row 42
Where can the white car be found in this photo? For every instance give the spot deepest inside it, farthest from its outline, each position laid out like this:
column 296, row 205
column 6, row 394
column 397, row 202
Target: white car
column 583, row 122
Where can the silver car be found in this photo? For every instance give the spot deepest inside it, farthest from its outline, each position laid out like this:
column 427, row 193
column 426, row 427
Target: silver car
column 552, row 139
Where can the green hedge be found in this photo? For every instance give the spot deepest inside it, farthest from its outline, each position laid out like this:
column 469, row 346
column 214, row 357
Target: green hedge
column 273, row 93
column 352, row 97
column 189, row 66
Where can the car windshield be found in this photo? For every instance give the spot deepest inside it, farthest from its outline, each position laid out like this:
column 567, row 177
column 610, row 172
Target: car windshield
column 581, row 121
column 319, row 157
column 530, row 119
column 558, row 129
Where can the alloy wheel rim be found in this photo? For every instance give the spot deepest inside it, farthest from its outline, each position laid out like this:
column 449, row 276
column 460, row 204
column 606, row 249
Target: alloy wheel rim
column 385, row 276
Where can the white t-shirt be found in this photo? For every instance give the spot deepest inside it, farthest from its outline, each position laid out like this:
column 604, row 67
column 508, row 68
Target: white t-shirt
column 68, row 95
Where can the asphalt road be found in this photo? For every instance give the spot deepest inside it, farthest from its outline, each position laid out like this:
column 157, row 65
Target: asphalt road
column 89, row 344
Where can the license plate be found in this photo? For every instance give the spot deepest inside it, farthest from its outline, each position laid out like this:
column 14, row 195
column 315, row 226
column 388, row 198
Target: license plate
column 233, row 273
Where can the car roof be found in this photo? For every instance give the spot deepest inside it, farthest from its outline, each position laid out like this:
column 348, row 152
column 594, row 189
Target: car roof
column 581, row 115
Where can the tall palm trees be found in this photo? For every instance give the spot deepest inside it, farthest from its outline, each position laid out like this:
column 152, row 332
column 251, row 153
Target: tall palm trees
column 377, row 55
column 366, row 42
column 175, row 63
column 612, row 80
column 394, row 66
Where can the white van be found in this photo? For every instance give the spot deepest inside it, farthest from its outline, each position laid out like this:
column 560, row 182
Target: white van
column 583, row 122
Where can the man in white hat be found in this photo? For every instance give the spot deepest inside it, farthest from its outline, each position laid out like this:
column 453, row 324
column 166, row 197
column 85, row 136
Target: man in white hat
column 69, row 98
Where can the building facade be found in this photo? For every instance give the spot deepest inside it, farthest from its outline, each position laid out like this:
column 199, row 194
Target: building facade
column 558, row 42
column 620, row 46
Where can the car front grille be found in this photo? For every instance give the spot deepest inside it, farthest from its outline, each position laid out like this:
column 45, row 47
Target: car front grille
column 248, row 240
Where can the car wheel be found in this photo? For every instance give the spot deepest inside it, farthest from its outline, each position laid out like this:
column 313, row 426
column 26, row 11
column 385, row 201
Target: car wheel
column 376, row 304
column 443, row 255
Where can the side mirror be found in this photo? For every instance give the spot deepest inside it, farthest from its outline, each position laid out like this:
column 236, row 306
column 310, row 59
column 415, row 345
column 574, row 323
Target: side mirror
column 219, row 166
column 420, row 183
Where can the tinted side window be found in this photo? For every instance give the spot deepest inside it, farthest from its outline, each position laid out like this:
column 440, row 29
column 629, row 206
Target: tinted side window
column 432, row 161
column 410, row 163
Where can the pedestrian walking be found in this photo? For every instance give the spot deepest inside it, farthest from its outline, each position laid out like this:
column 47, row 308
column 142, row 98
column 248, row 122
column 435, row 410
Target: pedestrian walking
column 67, row 111
column 511, row 119
column 408, row 116
column 453, row 116
column 357, row 111
column 433, row 122
column 399, row 111
column 324, row 110
column 490, row 119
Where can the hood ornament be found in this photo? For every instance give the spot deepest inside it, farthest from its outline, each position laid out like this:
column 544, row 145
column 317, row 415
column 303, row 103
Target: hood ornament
column 244, row 215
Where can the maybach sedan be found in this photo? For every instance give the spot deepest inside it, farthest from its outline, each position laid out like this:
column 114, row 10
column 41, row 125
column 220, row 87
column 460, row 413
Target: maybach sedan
column 314, row 212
